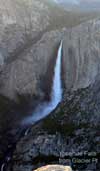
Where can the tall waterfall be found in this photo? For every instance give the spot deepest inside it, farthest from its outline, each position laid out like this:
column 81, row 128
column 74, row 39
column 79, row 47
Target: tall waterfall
column 45, row 108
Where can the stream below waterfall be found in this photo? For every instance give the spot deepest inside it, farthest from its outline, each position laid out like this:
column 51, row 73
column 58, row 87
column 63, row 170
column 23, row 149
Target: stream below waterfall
column 42, row 109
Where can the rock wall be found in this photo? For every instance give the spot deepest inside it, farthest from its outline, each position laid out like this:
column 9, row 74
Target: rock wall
column 25, row 75
column 29, row 37
column 18, row 21
column 81, row 55
column 28, row 48
column 73, row 126
column 70, row 132
column 80, row 60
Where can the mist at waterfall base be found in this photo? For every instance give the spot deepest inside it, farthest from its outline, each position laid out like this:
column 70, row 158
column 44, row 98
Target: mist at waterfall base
column 46, row 108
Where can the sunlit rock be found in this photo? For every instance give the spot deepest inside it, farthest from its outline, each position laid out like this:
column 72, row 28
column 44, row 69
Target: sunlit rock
column 54, row 168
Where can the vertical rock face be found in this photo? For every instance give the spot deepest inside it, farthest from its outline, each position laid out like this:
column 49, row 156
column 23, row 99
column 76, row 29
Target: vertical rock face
column 23, row 49
column 81, row 60
column 20, row 27
column 30, row 32
column 27, row 14
column 75, row 123
column 20, row 21
column 26, row 74
column 28, row 48
column 81, row 55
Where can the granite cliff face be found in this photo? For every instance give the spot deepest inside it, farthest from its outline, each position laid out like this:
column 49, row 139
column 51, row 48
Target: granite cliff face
column 80, row 60
column 29, row 37
column 20, row 25
column 72, row 130
column 18, row 21
column 30, row 31
column 73, row 127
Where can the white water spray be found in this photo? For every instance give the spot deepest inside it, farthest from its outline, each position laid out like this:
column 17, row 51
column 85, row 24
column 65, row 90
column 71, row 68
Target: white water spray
column 45, row 108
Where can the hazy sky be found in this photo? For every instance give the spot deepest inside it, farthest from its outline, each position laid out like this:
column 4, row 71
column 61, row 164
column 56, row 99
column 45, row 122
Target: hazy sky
column 89, row 1
column 82, row 4
column 78, row 1
column 68, row 1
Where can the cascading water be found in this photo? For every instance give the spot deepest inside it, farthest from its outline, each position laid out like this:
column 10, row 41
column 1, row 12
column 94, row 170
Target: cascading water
column 56, row 94
column 45, row 108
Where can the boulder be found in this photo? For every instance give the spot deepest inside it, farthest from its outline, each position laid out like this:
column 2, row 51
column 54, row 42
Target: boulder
column 54, row 168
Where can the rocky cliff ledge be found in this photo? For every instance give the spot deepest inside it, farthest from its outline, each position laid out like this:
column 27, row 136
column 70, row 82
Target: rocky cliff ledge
column 54, row 168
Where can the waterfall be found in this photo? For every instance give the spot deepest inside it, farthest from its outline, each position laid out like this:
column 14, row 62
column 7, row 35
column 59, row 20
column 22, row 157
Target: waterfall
column 56, row 93
column 45, row 108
